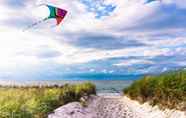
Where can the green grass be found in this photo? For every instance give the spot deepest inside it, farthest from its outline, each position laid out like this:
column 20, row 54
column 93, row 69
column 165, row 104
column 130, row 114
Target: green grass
column 38, row 102
column 167, row 90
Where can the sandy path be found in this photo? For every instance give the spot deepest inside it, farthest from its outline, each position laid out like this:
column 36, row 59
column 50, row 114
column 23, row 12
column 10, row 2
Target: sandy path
column 110, row 107
column 113, row 107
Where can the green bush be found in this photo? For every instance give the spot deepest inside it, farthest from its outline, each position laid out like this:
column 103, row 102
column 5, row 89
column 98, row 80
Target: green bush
column 167, row 90
column 38, row 102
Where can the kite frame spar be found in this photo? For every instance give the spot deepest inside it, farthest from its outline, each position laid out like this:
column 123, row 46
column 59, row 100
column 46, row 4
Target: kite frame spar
column 57, row 13
column 149, row 1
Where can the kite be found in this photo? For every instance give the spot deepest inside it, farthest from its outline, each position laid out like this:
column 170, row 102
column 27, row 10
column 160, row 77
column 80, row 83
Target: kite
column 149, row 1
column 56, row 13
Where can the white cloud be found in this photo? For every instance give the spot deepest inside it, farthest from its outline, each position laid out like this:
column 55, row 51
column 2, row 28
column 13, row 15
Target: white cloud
column 179, row 3
column 92, row 70
column 133, row 61
column 17, row 47
column 88, row 55
column 168, row 42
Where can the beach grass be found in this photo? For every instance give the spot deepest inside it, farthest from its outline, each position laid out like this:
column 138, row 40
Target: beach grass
column 39, row 101
column 167, row 90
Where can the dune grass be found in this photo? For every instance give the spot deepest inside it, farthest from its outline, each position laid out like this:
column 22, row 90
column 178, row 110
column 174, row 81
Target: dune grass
column 167, row 90
column 38, row 102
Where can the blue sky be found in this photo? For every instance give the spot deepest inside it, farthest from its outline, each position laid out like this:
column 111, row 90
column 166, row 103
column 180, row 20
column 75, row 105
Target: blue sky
column 119, row 37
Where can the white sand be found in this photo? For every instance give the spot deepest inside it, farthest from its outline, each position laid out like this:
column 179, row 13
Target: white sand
column 113, row 107
column 147, row 111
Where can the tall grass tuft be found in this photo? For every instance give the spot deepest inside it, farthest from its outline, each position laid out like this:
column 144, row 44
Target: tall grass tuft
column 167, row 90
column 38, row 102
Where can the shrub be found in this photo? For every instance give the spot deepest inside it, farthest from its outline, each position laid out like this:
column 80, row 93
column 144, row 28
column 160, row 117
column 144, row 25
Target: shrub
column 38, row 102
column 167, row 90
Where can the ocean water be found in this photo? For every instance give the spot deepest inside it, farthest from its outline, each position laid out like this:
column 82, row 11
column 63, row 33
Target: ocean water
column 102, row 86
column 105, row 83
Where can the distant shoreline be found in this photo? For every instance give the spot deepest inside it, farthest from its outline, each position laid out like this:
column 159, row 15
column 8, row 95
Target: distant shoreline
column 102, row 86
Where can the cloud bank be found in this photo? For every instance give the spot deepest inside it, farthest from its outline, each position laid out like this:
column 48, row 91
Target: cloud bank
column 109, row 36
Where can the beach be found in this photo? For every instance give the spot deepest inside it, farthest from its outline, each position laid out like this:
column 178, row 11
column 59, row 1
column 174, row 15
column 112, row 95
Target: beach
column 108, row 103
column 113, row 106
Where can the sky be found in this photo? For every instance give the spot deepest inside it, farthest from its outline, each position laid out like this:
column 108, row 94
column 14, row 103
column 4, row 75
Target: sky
column 116, row 37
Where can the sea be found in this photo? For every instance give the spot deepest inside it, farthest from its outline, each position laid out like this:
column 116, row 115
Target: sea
column 104, row 84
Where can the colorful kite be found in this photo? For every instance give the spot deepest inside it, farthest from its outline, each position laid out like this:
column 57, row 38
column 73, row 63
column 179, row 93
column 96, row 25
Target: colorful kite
column 57, row 13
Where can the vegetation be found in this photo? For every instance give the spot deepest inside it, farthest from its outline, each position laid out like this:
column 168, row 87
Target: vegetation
column 38, row 102
column 167, row 90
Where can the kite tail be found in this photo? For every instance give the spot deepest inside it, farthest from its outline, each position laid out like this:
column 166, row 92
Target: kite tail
column 34, row 24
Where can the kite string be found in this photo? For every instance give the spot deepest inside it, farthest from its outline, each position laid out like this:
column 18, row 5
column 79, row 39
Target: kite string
column 36, row 23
